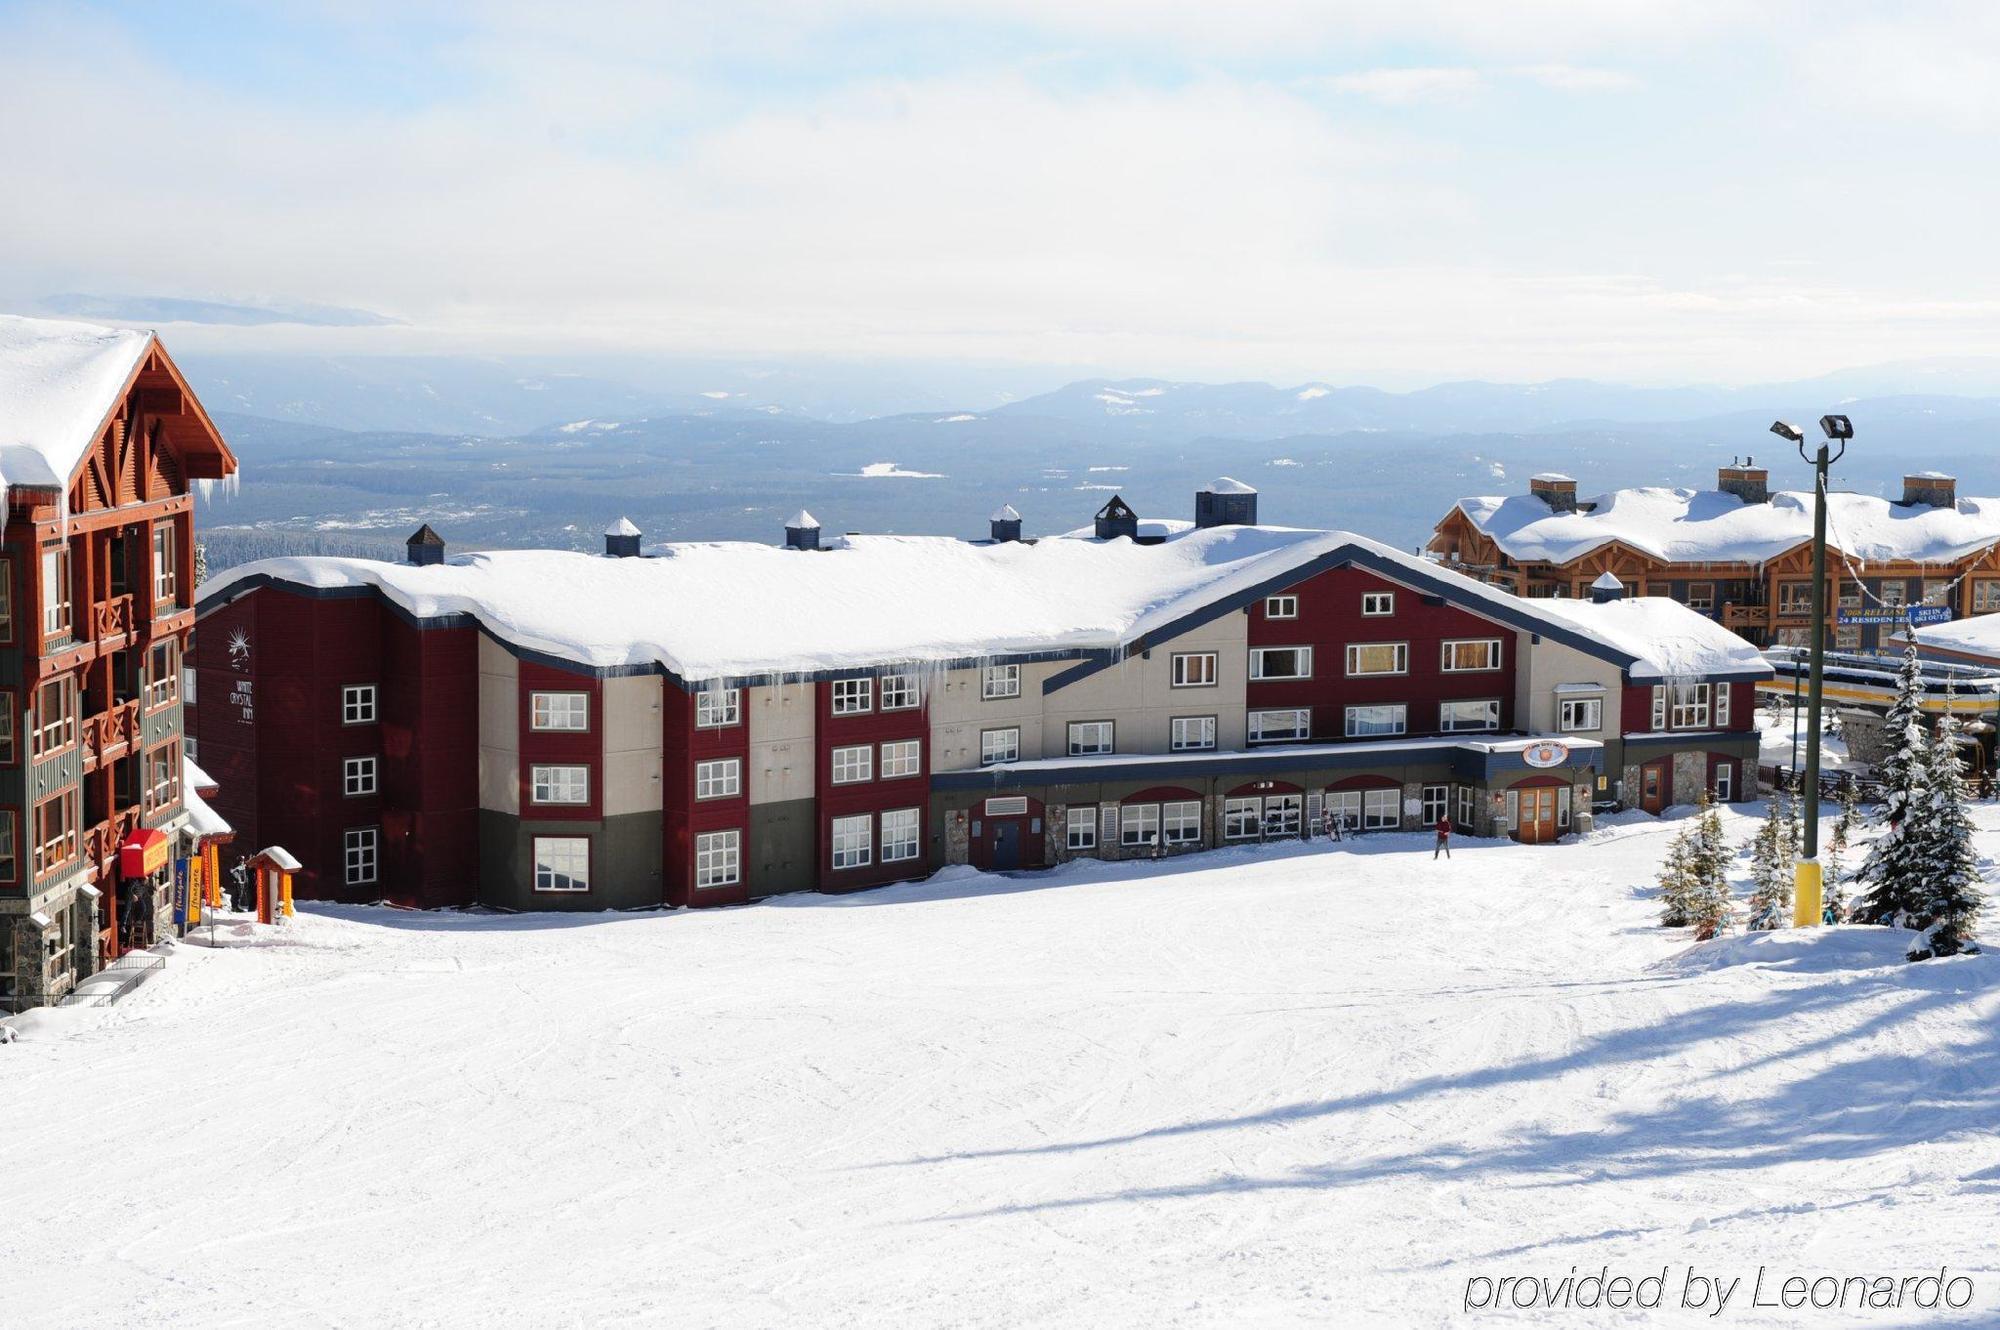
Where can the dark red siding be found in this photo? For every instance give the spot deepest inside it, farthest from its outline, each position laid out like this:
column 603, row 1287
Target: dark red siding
column 873, row 797
column 682, row 746
column 571, row 748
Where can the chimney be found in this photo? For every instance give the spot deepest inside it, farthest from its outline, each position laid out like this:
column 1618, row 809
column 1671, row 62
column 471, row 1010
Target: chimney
column 1933, row 489
column 1606, row 588
column 1225, row 501
column 1746, row 480
column 426, row 547
column 621, row 540
column 1555, row 489
column 802, row 531
column 1006, row 524
column 1117, row 519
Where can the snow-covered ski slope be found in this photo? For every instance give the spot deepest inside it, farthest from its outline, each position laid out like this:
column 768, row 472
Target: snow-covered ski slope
column 1305, row 1085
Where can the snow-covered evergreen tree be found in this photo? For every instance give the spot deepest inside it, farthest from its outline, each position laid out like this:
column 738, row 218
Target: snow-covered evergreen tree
column 1772, row 856
column 1892, row 871
column 1833, row 864
column 1947, row 906
column 1677, row 880
column 1709, row 907
column 200, row 562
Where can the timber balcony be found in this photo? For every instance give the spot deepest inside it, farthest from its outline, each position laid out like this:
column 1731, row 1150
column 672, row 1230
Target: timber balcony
column 102, row 839
column 110, row 734
column 1746, row 616
column 113, row 621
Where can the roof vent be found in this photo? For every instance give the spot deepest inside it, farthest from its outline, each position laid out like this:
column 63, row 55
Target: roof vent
column 1607, row 587
column 1225, row 501
column 1117, row 519
column 802, row 531
column 1005, row 524
column 1555, row 489
column 426, row 547
column 1746, row 480
column 621, row 539
column 1933, row 489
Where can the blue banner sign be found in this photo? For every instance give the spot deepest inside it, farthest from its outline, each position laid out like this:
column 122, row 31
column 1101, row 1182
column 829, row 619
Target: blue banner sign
column 1915, row 615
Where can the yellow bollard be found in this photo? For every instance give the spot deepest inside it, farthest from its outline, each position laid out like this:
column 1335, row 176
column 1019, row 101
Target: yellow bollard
column 286, row 895
column 1806, row 893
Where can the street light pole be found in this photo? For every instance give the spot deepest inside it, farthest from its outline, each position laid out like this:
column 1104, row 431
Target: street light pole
column 1808, row 882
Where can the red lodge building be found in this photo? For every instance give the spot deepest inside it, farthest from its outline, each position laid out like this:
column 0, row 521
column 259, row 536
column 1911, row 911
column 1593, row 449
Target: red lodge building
column 707, row 723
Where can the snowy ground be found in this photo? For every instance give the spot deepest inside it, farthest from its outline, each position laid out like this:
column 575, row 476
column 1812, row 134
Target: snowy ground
column 1309, row 1085
column 1775, row 742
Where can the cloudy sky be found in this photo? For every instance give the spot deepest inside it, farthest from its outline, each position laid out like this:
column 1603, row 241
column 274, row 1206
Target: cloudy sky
column 1388, row 193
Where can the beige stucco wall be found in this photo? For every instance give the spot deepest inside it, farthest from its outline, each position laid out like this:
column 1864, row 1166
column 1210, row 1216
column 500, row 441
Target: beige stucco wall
column 631, row 730
column 1137, row 694
column 782, row 728
column 499, row 729
column 959, row 712
column 1545, row 664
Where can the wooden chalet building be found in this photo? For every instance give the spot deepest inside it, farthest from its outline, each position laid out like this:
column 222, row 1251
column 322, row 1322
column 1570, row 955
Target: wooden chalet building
column 101, row 442
column 1739, row 553
column 536, row 729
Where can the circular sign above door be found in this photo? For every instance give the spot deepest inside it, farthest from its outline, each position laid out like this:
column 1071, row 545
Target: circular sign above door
column 1546, row 753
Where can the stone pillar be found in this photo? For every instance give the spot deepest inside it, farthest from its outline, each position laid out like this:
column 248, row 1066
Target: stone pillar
column 1412, row 793
column 957, row 836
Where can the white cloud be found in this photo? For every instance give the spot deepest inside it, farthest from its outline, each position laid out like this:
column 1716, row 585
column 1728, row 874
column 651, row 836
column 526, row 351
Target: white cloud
column 1403, row 87
column 1572, row 78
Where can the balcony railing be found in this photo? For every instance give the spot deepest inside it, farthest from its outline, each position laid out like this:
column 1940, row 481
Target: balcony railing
column 110, row 733
column 1746, row 616
column 113, row 618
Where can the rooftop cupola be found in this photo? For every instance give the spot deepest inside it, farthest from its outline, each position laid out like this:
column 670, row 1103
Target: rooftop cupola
column 1606, row 588
column 1932, row 489
column 621, row 539
column 1117, row 519
column 1555, row 489
column 426, row 547
column 1746, row 480
column 1225, row 501
column 802, row 531
column 1005, row 524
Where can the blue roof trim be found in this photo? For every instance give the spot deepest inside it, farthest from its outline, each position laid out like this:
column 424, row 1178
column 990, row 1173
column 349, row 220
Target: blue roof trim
column 1692, row 739
column 1463, row 762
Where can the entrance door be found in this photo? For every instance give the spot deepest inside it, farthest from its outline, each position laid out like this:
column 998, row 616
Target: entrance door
column 1006, row 845
column 1653, row 787
column 1538, row 815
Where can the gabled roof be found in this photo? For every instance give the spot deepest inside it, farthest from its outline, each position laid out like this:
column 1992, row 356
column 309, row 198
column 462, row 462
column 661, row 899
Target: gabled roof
column 1667, row 640
column 59, row 383
column 1711, row 526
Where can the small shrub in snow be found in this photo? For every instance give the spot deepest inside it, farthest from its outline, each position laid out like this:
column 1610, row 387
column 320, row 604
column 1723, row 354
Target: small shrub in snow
column 1834, row 861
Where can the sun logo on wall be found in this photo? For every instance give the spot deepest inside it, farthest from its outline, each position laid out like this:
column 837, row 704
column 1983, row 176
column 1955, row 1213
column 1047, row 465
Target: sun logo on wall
column 239, row 648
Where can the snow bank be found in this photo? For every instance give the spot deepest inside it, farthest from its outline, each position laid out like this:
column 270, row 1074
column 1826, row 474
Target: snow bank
column 1708, row 525
column 1670, row 640
column 58, row 381
column 1803, row 950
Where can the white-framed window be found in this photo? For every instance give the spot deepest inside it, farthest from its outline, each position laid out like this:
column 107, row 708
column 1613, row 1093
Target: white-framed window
column 163, row 673
column 1138, row 824
column 718, row 708
column 718, row 778
column 166, row 568
column 1089, row 737
column 853, row 841
column 563, row 712
column 1378, row 658
column 1378, row 604
column 1000, row 681
column 1471, row 655
column 999, row 745
column 1194, row 669
column 1281, row 607
column 55, row 592
column 358, row 776
column 187, row 675
column 1469, row 714
column 1701, row 596
column 1080, row 827
column 1382, row 718
column 1281, row 662
column 558, row 784
column 899, row 835
column 1985, row 595
column 899, row 692
column 853, row 763
column 1291, row 725
column 1468, row 808
column 55, row 716
column 357, row 704
column 562, row 863
column 1725, row 782
column 1367, row 810
column 1721, row 695
column 361, row 855
column 718, row 858
column 1436, row 800
column 1242, row 819
column 1580, row 715
column 1189, row 733
column 851, row 697
column 1681, row 706
column 1180, row 821
column 902, row 757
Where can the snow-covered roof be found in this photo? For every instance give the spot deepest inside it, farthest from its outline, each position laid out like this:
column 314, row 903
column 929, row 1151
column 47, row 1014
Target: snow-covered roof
column 203, row 820
column 1977, row 636
column 1553, row 477
column 1670, row 640
column 1710, row 526
column 802, row 521
column 1607, row 581
column 1004, row 513
column 1228, row 485
column 195, row 777
column 870, row 601
column 279, row 856
column 58, row 382
column 622, row 527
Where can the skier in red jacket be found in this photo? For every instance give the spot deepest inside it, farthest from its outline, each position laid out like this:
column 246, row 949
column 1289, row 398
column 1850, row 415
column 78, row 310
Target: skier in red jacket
column 1444, row 836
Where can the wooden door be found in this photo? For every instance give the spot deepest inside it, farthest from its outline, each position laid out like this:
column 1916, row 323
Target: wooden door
column 1653, row 787
column 1538, row 815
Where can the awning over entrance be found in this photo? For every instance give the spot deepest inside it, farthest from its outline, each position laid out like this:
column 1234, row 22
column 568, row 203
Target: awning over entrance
column 143, row 853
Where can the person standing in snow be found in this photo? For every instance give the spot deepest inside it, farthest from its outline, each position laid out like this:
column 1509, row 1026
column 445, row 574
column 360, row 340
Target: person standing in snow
column 1444, row 836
